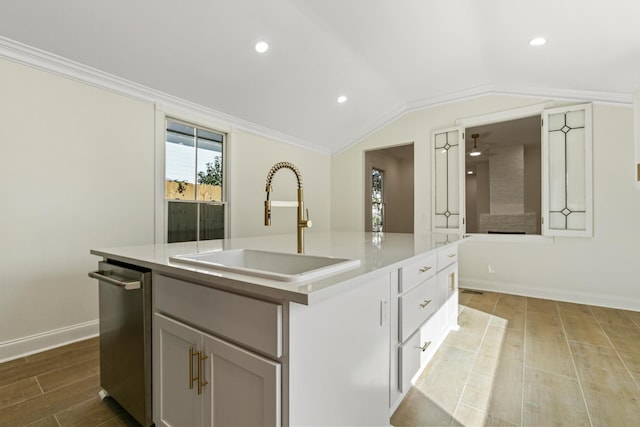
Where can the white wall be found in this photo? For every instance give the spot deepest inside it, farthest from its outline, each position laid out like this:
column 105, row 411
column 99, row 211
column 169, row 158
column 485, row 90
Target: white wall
column 77, row 167
column 600, row 270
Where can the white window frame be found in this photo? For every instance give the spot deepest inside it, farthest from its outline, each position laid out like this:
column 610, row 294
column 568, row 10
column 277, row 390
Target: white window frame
column 588, row 168
column 450, row 194
column 162, row 115
column 543, row 110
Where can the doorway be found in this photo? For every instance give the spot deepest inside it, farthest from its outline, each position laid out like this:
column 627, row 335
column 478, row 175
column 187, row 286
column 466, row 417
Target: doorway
column 389, row 189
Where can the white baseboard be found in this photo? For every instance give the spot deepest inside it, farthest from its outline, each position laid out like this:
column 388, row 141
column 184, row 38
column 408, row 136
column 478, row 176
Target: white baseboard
column 21, row 347
column 602, row 300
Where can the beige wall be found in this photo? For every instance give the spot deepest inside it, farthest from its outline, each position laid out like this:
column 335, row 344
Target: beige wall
column 636, row 103
column 251, row 157
column 77, row 164
column 397, row 189
column 599, row 270
column 77, row 172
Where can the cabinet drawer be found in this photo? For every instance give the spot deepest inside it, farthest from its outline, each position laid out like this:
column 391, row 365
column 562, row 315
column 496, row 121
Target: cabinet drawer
column 416, row 272
column 254, row 323
column 447, row 256
column 416, row 352
column 417, row 305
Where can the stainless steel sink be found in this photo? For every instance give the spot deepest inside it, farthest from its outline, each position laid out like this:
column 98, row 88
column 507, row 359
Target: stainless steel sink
column 287, row 267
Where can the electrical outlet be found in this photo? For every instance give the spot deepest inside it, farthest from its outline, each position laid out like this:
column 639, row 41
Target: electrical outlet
column 491, row 269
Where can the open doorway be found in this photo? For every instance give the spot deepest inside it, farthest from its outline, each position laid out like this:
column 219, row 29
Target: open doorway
column 503, row 177
column 389, row 189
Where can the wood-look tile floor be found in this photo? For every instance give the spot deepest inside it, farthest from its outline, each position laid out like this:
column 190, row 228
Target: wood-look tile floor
column 56, row 388
column 515, row 361
column 520, row 361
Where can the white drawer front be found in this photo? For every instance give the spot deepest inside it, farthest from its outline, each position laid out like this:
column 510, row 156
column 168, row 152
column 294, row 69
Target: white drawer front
column 417, row 305
column 251, row 322
column 447, row 256
column 408, row 361
column 416, row 272
column 416, row 352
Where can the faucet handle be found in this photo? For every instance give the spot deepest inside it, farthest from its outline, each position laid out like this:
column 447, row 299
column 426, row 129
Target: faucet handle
column 307, row 222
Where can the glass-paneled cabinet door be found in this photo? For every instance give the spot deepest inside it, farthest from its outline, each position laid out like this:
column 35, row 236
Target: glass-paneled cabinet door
column 567, row 172
column 447, row 186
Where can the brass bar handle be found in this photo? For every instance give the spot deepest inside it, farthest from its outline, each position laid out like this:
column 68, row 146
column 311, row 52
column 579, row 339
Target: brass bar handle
column 191, row 377
column 201, row 383
column 453, row 281
column 425, row 269
column 452, row 255
column 425, row 346
column 425, row 303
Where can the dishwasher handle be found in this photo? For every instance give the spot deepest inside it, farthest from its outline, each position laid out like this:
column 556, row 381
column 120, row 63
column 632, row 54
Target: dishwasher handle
column 127, row 286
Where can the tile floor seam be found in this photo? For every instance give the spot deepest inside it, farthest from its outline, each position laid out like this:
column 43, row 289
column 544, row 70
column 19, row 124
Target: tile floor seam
column 633, row 379
column 39, row 385
column 549, row 372
column 636, row 324
column 575, row 367
column 466, row 383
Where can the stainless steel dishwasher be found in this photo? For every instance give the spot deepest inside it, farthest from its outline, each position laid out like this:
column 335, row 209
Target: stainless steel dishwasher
column 125, row 337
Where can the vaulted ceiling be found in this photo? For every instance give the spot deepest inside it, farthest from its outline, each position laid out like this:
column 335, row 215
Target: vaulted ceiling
column 387, row 57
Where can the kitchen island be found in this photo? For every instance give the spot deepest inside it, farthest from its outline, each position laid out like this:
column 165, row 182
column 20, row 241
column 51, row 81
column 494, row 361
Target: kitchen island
column 229, row 348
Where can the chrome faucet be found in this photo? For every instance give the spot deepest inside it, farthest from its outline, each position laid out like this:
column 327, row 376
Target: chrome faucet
column 302, row 223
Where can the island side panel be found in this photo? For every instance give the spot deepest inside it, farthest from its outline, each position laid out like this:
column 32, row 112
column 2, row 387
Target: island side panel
column 339, row 357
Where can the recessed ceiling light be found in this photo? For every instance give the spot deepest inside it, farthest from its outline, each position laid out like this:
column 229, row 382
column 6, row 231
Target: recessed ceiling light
column 262, row 47
column 342, row 99
column 538, row 41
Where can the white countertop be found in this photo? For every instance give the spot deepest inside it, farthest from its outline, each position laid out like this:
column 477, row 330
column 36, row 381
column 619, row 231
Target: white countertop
column 377, row 252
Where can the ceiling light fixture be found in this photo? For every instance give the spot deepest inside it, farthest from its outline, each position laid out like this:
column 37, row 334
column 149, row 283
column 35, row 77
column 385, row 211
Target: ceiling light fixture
column 342, row 99
column 475, row 152
column 537, row 41
column 262, row 47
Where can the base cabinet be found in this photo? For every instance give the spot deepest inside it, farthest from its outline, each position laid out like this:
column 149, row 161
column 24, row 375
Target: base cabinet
column 427, row 310
column 201, row 380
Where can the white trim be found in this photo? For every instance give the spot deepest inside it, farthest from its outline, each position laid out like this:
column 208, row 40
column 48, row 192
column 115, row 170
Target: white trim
column 64, row 67
column 461, row 184
column 588, row 170
column 589, row 298
column 41, row 59
column 537, row 239
column 503, row 116
column 25, row 346
column 160, row 212
column 636, row 120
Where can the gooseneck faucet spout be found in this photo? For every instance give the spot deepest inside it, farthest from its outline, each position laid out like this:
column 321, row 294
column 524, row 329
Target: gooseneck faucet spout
column 302, row 222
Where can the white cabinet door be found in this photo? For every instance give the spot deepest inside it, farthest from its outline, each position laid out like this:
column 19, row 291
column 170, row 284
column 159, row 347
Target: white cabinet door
column 175, row 404
column 243, row 388
column 200, row 380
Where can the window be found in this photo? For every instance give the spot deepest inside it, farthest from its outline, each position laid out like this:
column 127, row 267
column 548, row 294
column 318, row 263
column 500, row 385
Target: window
column 194, row 183
column 565, row 177
column 503, row 177
column 377, row 200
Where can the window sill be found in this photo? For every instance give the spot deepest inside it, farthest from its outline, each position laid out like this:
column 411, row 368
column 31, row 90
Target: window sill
column 510, row 238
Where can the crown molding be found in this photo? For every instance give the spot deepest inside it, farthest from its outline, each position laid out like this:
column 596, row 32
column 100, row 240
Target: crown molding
column 485, row 90
column 50, row 62
column 38, row 58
